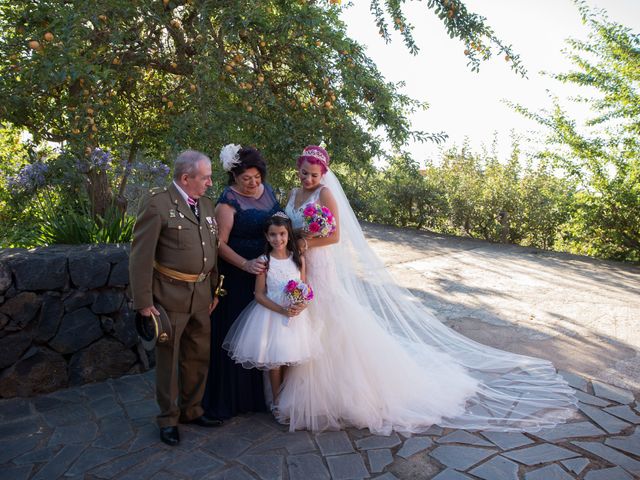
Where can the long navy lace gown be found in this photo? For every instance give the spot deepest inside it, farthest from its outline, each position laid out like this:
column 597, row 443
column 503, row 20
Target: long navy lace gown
column 232, row 389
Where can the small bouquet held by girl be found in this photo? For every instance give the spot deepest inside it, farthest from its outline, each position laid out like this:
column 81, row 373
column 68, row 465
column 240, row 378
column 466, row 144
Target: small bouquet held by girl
column 275, row 329
column 318, row 220
column 298, row 292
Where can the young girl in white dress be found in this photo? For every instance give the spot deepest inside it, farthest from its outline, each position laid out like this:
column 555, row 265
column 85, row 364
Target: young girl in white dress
column 270, row 333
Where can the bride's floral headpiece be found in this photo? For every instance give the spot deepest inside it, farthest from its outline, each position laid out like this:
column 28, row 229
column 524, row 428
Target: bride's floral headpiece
column 315, row 154
column 229, row 156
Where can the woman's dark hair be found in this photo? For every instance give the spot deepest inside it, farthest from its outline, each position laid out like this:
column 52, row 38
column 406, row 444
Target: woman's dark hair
column 280, row 219
column 249, row 158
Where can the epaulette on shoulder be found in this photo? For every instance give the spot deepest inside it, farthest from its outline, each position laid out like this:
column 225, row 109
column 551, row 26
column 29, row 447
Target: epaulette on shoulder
column 157, row 190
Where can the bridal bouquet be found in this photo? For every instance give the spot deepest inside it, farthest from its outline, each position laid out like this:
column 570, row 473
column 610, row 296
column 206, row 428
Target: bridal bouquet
column 318, row 220
column 297, row 291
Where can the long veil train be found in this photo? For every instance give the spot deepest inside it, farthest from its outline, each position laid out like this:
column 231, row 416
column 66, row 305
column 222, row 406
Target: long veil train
column 514, row 392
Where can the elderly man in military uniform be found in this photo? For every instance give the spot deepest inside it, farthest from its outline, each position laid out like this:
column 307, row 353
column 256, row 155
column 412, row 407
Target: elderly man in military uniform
column 173, row 264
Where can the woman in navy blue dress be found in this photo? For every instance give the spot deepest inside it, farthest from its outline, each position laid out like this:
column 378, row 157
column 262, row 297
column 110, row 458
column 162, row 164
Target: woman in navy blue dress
column 241, row 211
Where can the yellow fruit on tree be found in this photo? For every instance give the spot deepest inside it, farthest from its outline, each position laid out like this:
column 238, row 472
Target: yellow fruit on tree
column 102, row 18
column 169, row 104
column 192, row 87
column 249, row 108
column 34, row 45
column 89, row 111
column 94, row 128
column 263, row 43
column 48, row 36
column 165, row 2
column 75, row 131
column 175, row 23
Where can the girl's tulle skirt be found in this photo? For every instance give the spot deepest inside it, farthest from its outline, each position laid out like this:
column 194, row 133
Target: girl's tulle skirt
column 261, row 338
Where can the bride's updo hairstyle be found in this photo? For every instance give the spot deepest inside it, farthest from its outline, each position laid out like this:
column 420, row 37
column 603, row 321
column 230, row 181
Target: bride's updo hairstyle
column 248, row 157
column 315, row 156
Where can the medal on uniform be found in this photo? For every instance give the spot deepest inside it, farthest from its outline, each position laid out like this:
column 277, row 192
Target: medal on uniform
column 213, row 226
column 172, row 213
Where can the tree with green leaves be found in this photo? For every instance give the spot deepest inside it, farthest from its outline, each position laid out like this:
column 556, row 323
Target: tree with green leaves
column 158, row 75
column 602, row 155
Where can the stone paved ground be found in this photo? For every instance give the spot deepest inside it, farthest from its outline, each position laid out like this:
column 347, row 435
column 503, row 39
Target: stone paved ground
column 575, row 311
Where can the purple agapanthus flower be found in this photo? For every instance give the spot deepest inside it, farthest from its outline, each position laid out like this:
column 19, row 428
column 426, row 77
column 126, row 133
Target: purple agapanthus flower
column 101, row 159
column 154, row 169
column 29, row 178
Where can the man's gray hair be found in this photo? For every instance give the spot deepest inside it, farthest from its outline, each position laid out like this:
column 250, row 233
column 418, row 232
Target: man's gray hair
column 187, row 162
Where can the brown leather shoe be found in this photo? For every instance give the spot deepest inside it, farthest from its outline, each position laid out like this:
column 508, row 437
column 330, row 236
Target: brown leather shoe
column 170, row 435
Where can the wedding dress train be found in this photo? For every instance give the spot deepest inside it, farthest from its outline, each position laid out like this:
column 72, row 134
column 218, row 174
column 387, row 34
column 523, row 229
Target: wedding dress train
column 388, row 363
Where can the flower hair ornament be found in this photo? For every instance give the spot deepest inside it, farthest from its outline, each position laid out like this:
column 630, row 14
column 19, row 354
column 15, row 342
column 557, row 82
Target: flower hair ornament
column 229, row 156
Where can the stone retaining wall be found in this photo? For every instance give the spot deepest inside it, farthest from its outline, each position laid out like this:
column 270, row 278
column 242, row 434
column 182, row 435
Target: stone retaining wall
column 65, row 318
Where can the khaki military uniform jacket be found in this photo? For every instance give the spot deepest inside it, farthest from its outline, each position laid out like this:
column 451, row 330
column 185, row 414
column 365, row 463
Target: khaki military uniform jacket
column 168, row 232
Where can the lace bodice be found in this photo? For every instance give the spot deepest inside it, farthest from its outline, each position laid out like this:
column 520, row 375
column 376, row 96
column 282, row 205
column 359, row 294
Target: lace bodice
column 295, row 214
column 246, row 237
column 280, row 272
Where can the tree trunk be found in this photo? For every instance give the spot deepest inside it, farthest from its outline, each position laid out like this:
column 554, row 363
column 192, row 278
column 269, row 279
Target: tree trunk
column 100, row 193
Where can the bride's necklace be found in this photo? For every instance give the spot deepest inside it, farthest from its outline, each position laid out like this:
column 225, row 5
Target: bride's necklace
column 304, row 202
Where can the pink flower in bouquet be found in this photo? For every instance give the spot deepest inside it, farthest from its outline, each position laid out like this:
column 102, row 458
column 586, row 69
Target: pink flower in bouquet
column 291, row 286
column 314, row 227
column 309, row 211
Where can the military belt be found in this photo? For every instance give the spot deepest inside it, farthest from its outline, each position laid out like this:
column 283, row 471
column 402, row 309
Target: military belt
column 176, row 275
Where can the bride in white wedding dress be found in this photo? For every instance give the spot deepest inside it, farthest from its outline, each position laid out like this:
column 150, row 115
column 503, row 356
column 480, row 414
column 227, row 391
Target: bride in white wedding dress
column 387, row 363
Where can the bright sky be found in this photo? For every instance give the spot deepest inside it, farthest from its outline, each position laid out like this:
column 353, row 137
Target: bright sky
column 467, row 104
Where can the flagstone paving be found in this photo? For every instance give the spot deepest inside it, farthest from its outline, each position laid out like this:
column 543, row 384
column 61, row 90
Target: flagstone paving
column 106, row 430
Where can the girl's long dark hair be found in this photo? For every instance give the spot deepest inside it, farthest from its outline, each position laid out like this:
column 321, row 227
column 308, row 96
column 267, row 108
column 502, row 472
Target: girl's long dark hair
column 281, row 220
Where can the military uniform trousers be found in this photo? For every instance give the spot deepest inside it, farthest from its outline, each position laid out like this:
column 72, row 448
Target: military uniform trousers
column 184, row 357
